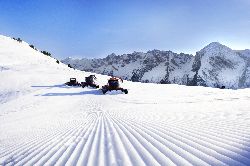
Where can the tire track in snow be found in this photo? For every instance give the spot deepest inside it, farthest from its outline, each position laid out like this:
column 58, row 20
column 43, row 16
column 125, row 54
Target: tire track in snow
column 132, row 149
column 118, row 136
column 185, row 144
column 211, row 126
column 154, row 152
column 232, row 151
column 151, row 136
column 73, row 147
column 54, row 148
column 237, row 141
column 32, row 150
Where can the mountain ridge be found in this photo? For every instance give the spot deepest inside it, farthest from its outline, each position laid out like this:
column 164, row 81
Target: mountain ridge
column 215, row 65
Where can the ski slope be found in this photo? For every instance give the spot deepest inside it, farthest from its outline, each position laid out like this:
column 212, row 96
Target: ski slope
column 44, row 122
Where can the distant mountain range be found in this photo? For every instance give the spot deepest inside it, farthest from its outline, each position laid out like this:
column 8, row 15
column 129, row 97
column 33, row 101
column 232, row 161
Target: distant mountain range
column 215, row 65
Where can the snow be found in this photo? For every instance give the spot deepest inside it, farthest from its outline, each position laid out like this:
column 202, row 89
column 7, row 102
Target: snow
column 245, row 53
column 224, row 76
column 127, row 70
column 156, row 74
column 44, row 122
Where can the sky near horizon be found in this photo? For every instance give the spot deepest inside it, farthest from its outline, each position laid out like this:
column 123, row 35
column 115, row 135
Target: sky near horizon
column 96, row 28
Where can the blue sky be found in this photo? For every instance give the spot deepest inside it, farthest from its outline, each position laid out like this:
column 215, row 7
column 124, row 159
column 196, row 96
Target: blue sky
column 96, row 28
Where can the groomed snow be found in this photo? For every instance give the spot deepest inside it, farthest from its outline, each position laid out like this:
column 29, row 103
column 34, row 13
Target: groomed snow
column 44, row 122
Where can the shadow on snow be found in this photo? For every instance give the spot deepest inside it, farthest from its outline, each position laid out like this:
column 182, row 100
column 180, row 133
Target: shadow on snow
column 54, row 86
column 88, row 92
column 91, row 92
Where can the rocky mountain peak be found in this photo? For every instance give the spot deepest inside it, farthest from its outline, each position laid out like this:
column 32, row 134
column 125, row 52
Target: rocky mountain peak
column 215, row 44
column 216, row 47
column 215, row 65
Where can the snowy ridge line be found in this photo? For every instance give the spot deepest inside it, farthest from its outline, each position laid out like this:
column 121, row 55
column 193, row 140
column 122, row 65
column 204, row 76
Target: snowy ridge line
column 215, row 65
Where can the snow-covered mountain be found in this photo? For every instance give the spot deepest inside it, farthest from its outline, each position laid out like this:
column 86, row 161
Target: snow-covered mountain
column 215, row 65
column 154, row 66
column 22, row 67
column 44, row 122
